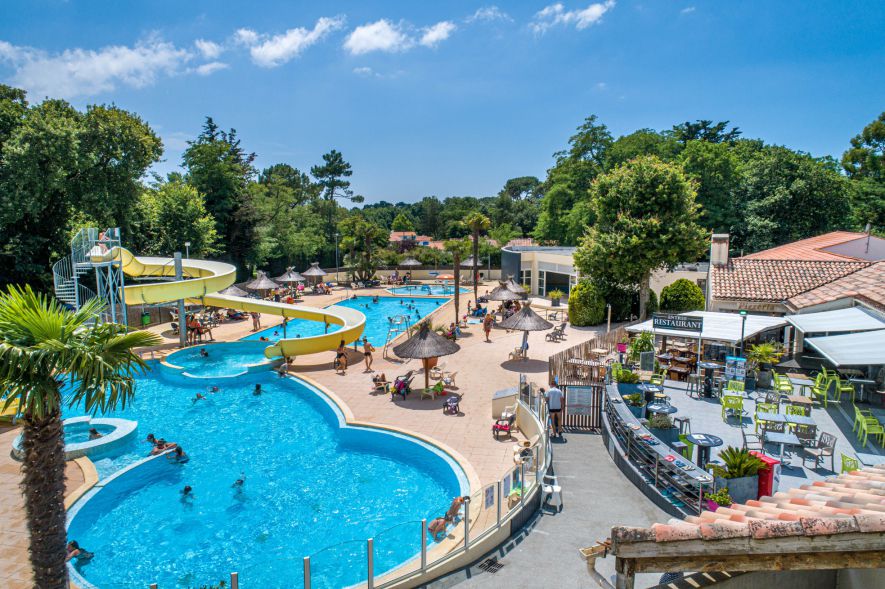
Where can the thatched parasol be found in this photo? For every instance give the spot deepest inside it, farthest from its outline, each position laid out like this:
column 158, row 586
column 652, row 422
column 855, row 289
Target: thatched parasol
column 502, row 293
column 512, row 285
column 290, row 276
column 315, row 271
column 468, row 263
column 424, row 345
column 410, row 262
column 262, row 282
column 525, row 320
column 234, row 291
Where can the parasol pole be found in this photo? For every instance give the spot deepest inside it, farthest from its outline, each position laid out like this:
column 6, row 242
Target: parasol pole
column 425, row 362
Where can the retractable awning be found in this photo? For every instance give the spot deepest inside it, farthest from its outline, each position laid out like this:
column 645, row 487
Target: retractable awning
column 839, row 321
column 721, row 327
column 852, row 349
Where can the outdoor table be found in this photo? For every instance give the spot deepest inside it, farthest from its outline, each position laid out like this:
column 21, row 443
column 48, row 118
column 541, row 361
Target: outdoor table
column 704, row 442
column 599, row 352
column 804, row 384
column 783, row 439
column 650, row 390
column 859, row 385
column 782, row 418
column 801, row 400
column 661, row 407
column 708, row 367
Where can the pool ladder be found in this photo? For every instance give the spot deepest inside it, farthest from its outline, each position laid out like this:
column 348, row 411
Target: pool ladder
column 398, row 324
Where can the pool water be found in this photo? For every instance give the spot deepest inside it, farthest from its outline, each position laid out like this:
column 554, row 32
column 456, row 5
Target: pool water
column 426, row 290
column 378, row 314
column 78, row 433
column 295, row 328
column 311, row 487
column 224, row 359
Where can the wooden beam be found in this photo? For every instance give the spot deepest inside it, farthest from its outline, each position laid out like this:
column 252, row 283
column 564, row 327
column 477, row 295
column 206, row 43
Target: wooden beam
column 625, row 573
column 871, row 559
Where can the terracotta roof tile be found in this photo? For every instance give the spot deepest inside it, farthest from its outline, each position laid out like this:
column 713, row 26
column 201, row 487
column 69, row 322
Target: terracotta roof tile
column 849, row 503
column 776, row 280
column 866, row 285
column 808, row 249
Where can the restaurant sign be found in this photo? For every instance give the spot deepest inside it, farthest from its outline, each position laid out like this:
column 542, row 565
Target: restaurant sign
column 677, row 322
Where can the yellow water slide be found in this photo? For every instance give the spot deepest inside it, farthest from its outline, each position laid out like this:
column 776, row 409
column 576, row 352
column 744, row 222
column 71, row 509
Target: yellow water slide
column 202, row 281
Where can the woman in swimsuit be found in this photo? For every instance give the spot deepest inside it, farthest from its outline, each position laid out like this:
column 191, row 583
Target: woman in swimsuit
column 341, row 358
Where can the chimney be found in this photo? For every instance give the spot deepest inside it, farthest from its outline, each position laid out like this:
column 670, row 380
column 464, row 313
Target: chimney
column 719, row 249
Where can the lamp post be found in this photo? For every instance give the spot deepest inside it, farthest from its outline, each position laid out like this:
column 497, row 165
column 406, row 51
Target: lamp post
column 187, row 249
column 743, row 325
column 337, row 279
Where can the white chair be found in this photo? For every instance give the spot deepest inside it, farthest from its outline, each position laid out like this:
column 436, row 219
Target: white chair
column 508, row 411
column 551, row 491
column 437, row 371
column 448, row 378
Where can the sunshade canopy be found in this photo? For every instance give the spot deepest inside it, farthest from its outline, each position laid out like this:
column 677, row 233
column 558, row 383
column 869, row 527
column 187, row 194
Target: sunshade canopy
column 315, row 270
column 424, row 345
column 446, row 277
column 290, row 276
column 410, row 262
column 839, row 321
column 468, row 263
column 512, row 285
column 502, row 293
column 262, row 282
column 234, row 291
column 525, row 320
column 720, row 327
column 852, row 349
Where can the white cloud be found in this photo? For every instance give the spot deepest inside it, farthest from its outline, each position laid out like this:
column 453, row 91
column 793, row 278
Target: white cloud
column 436, row 34
column 488, row 13
column 363, row 71
column 687, row 10
column 381, row 35
column 277, row 50
column 556, row 14
column 210, row 68
column 209, row 49
column 601, row 86
column 83, row 72
column 245, row 37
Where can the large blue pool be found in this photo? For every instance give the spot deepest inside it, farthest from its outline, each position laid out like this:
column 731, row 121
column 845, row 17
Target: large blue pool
column 312, row 488
column 426, row 290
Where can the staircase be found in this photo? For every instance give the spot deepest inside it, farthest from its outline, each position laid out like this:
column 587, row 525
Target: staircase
column 70, row 273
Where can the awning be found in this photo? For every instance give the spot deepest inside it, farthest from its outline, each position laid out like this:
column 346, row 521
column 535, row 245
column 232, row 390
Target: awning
column 721, row 327
column 852, row 349
column 839, row 321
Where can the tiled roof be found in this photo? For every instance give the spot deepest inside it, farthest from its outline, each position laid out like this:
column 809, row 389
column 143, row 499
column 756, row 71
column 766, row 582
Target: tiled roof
column 437, row 245
column 849, row 503
column 808, row 249
column 423, row 238
column 866, row 285
column 776, row 280
column 521, row 241
column 401, row 235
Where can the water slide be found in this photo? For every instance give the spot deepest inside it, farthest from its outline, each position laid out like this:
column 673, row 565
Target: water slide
column 203, row 280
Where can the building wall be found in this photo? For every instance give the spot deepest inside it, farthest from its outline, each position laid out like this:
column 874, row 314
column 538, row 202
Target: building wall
column 663, row 278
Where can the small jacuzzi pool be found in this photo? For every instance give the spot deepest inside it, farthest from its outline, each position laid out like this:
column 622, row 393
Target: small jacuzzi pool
column 426, row 290
column 221, row 360
column 112, row 432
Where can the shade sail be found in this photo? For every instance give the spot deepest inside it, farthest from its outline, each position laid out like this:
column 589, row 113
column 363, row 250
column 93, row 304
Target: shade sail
column 234, row 291
column 290, row 276
column 852, row 349
column 525, row 320
column 424, row 345
column 315, row 270
column 720, row 327
column 839, row 321
column 262, row 282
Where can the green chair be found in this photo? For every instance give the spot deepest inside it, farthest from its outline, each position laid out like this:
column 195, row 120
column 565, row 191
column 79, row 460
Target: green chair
column 821, row 389
column 872, row 427
column 734, row 404
column 839, row 387
column 735, row 386
column 782, row 384
column 763, row 408
column 794, row 410
column 849, row 464
column 657, row 379
column 688, row 451
column 861, row 415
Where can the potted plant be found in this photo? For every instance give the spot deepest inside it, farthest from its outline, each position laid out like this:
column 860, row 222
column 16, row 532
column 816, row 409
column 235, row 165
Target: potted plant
column 636, row 404
column 739, row 472
column 760, row 358
column 555, row 296
column 661, row 427
column 626, row 376
column 720, row 498
column 644, row 342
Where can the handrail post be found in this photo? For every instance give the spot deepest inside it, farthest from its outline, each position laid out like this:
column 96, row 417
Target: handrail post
column 522, row 482
column 234, row 581
column 466, row 524
column 498, row 500
column 370, row 563
column 306, row 572
column 423, row 545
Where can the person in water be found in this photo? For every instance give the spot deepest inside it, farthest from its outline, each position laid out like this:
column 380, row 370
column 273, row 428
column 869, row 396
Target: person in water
column 94, row 434
column 204, row 353
column 178, row 456
column 151, row 439
column 199, row 397
column 75, row 552
column 187, row 495
column 257, row 391
column 163, row 446
column 240, row 483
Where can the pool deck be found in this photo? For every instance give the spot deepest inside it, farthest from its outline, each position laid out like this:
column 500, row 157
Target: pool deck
column 482, row 368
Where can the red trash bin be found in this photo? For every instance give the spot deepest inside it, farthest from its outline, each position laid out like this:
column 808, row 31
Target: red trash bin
column 770, row 476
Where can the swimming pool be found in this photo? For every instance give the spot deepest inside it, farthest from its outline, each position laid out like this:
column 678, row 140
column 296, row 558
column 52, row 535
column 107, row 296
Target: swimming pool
column 224, row 358
column 426, row 290
column 312, row 488
column 378, row 311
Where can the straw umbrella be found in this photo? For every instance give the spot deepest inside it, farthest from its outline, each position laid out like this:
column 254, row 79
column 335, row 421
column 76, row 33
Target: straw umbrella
column 262, row 283
column 525, row 320
column 410, row 262
column 517, row 288
column 502, row 293
column 290, row 276
column 234, row 291
column 315, row 271
column 424, row 345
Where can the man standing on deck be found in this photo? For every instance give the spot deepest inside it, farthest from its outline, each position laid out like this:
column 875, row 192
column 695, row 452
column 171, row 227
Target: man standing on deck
column 554, row 407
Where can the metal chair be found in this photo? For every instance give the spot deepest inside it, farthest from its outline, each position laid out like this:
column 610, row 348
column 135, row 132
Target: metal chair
column 795, row 410
column 694, row 385
column 751, row 441
column 763, row 408
column 732, row 404
column 825, row 446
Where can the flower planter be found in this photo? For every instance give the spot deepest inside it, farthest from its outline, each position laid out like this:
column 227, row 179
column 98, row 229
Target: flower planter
column 667, row 435
column 742, row 489
column 637, row 410
column 712, row 505
column 622, row 348
column 555, row 302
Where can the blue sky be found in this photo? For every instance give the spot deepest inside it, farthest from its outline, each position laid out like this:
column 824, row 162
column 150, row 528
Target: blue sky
column 453, row 98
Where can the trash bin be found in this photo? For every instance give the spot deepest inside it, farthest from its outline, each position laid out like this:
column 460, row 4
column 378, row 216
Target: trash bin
column 145, row 319
column 770, row 476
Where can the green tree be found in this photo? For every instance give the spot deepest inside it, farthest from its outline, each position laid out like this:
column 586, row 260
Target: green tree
column 702, row 130
column 429, row 218
column 637, row 143
column 502, row 234
column 402, row 222
column 555, row 206
column 645, row 220
column 586, row 305
column 333, row 176
column 716, row 171
column 477, row 223
column 866, row 156
column 175, row 213
column 363, row 240
column 683, row 295
column 43, row 348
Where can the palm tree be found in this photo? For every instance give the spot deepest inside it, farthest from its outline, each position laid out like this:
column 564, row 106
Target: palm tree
column 477, row 223
column 456, row 247
column 43, row 348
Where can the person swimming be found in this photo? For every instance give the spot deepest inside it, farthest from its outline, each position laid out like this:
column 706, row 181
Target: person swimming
column 276, row 333
column 187, row 495
column 263, row 339
column 213, row 389
column 162, row 446
column 150, row 438
column 204, row 353
column 240, row 483
column 199, row 397
column 94, row 434
column 178, row 456
column 257, row 391
column 75, row 552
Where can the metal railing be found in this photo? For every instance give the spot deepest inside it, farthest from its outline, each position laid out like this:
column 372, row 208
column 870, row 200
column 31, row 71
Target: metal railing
column 488, row 510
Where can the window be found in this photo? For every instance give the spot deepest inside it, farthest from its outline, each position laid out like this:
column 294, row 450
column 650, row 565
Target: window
column 542, row 279
column 525, row 278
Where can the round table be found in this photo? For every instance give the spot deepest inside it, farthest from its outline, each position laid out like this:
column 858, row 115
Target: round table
column 662, row 408
column 708, row 367
column 704, row 442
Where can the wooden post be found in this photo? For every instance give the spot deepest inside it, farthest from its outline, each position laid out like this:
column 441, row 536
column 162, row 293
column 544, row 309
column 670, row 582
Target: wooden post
column 625, row 573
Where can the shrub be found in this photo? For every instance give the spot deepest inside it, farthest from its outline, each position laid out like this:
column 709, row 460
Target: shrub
column 720, row 497
column 627, row 377
column 660, row 421
column 652, row 306
column 644, row 342
column 738, row 463
column 585, row 305
column 635, row 399
column 683, row 295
